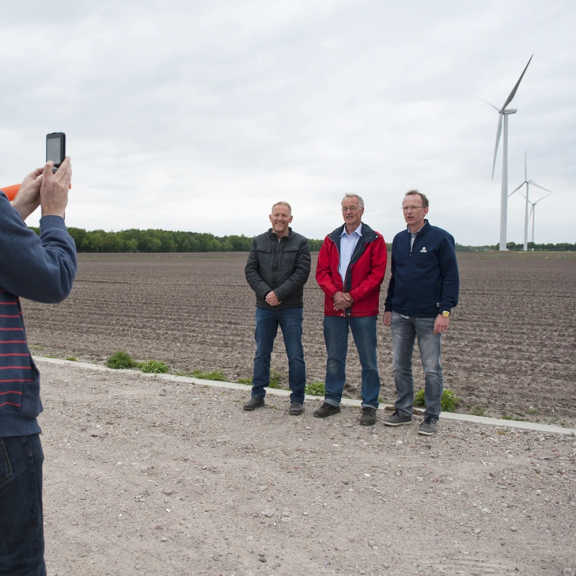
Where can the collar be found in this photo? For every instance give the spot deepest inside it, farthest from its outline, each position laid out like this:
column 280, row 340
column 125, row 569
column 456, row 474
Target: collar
column 357, row 231
column 419, row 230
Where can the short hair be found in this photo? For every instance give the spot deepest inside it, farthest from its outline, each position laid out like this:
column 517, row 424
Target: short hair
column 351, row 195
column 422, row 196
column 282, row 203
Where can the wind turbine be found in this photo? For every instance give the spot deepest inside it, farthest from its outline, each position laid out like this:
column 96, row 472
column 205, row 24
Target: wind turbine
column 504, row 113
column 533, row 210
column 528, row 182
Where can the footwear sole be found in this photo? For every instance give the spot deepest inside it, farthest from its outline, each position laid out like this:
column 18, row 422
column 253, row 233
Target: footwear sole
column 326, row 415
column 294, row 413
column 398, row 424
column 367, row 423
column 426, row 433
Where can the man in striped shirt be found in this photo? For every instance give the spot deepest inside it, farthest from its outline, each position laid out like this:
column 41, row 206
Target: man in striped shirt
column 41, row 269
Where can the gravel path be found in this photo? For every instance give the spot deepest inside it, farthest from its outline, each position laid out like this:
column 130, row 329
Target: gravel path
column 145, row 476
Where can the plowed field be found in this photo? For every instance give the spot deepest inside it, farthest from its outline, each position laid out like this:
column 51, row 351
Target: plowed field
column 511, row 348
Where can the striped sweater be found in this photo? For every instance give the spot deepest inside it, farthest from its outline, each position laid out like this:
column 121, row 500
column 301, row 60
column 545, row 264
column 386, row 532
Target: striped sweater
column 41, row 269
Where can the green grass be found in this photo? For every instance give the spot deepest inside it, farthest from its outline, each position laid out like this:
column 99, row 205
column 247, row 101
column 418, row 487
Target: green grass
column 477, row 411
column 447, row 404
column 247, row 381
column 315, row 388
column 216, row 375
column 121, row 360
column 71, row 358
column 154, row 367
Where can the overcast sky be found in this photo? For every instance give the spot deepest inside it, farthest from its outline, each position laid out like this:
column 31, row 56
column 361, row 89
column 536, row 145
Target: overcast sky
column 188, row 115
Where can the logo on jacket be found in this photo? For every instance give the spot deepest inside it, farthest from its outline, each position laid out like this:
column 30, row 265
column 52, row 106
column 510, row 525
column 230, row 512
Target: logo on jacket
column 424, row 249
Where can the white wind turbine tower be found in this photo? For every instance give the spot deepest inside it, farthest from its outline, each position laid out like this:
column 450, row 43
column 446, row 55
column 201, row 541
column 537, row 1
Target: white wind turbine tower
column 526, row 216
column 504, row 113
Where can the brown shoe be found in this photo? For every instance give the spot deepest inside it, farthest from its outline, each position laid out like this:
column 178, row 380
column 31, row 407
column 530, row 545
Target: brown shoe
column 326, row 410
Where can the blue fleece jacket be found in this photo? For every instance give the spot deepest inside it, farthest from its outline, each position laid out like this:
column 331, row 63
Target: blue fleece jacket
column 424, row 280
column 37, row 268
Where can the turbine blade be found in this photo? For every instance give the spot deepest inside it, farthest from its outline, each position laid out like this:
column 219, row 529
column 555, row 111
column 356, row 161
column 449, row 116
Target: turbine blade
column 498, row 131
column 486, row 101
column 541, row 187
column 516, row 189
column 534, row 203
column 513, row 93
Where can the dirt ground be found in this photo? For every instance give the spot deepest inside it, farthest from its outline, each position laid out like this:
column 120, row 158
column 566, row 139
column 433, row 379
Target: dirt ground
column 151, row 477
column 510, row 349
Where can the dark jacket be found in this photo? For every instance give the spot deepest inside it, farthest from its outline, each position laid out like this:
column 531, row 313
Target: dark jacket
column 424, row 280
column 41, row 269
column 364, row 276
column 282, row 266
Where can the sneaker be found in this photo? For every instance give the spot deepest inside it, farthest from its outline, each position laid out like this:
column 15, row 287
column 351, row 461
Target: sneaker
column 428, row 427
column 368, row 417
column 296, row 408
column 254, row 403
column 326, row 410
column 397, row 420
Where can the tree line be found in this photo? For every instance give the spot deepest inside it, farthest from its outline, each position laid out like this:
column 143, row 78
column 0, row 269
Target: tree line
column 135, row 240
column 512, row 246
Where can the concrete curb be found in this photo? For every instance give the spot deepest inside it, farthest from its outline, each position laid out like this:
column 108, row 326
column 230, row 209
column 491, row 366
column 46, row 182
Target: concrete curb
column 534, row 426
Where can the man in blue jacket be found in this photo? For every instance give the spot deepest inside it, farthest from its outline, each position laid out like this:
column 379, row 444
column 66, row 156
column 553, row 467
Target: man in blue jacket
column 423, row 290
column 41, row 269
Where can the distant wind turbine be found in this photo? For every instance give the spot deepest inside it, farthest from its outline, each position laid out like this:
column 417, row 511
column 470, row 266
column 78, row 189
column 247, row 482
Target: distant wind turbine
column 533, row 211
column 504, row 113
column 526, row 216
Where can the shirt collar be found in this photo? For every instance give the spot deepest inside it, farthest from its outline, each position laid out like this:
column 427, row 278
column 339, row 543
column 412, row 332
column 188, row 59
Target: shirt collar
column 358, row 231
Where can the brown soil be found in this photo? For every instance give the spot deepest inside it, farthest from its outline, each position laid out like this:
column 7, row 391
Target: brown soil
column 510, row 349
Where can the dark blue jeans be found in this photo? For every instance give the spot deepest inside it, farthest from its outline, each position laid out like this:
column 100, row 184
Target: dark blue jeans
column 290, row 321
column 336, row 339
column 21, row 520
column 404, row 333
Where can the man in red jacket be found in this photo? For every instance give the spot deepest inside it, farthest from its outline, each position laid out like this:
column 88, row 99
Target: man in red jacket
column 350, row 271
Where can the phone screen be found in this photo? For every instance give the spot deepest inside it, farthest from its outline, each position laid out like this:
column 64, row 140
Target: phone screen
column 56, row 148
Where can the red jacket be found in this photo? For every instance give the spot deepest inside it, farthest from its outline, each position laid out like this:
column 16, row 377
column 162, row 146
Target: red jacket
column 364, row 276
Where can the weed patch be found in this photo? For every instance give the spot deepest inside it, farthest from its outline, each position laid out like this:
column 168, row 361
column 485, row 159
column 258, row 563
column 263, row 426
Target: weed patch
column 154, row 367
column 447, row 404
column 315, row 388
column 121, row 361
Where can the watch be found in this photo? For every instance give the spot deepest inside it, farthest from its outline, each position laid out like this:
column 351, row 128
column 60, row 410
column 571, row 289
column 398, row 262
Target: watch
column 446, row 314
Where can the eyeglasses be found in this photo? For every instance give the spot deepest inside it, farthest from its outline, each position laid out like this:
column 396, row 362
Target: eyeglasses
column 406, row 208
column 350, row 209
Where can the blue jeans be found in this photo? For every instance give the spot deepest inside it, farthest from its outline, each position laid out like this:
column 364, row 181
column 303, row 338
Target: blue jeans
column 336, row 339
column 290, row 321
column 404, row 332
column 21, row 520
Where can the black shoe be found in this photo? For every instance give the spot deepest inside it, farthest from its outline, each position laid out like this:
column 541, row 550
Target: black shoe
column 296, row 408
column 397, row 420
column 326, row 410
column 254, row 403
column 368, row 417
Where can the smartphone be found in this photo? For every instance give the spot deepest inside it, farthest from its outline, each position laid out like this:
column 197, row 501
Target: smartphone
column 56, row 148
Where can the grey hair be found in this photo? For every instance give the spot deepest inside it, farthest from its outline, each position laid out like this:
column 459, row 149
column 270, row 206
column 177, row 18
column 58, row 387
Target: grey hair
column 281, row 203
column 351, row 195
